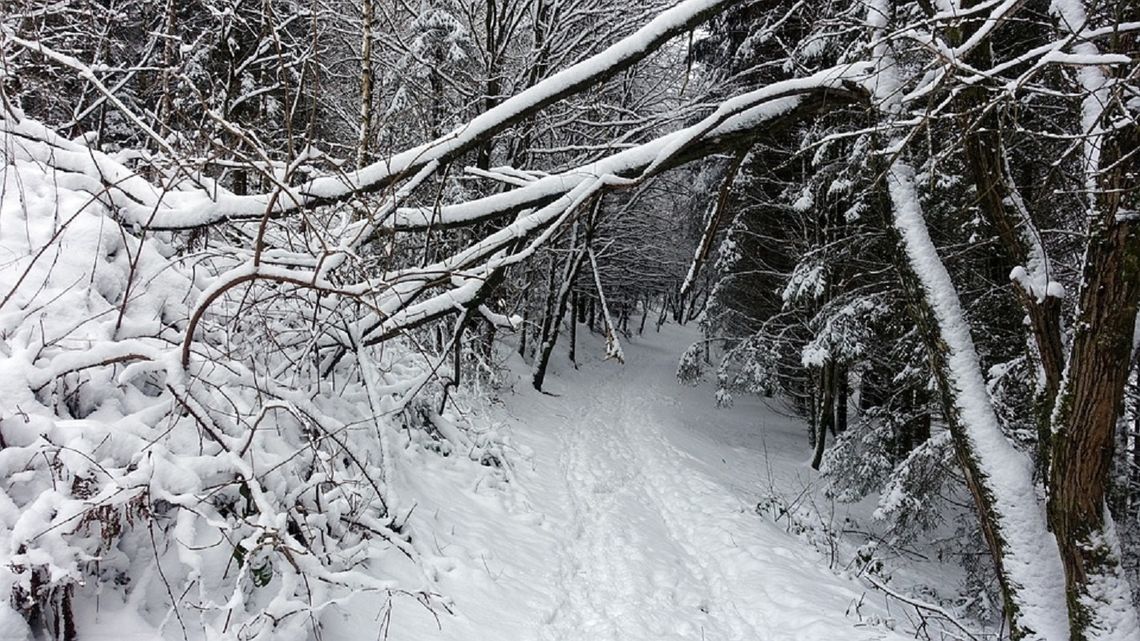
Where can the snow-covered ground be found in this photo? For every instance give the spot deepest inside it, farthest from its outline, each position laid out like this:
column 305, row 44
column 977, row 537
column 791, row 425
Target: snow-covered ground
column 630, row 514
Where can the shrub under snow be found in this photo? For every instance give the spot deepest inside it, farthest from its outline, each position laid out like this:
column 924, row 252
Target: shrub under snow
column 239, row 497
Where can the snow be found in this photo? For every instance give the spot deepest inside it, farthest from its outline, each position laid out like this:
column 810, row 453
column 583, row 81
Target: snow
column 1036, row 285
column 742, row 113
column 630, row 515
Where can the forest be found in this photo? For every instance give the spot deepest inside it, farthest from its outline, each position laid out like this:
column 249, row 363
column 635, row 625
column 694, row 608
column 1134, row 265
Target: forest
column 273, row 273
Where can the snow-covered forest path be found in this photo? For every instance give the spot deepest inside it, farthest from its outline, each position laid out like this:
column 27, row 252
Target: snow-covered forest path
column 656, row 546
column 635, row 518
column 633, row 566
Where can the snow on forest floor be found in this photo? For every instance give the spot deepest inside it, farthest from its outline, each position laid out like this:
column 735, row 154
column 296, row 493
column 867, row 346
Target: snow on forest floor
column 631, row 515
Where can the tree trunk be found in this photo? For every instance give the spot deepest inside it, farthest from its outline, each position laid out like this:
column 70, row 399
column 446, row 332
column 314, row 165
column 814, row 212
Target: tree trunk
column 997, row 194
column 1089, row 403
column 493, row 85
column 542, row 359
column 169, row 47
column 920, row 432
column 826, row 412
column 366, row 72
column 842, row 389
column 714, row 222
column 548, row 304
column 525, row 322
column 813, row 418
column 574, row 329
column 644, row 315
column 999, row 477
column 569, row 277
column 1134, row 499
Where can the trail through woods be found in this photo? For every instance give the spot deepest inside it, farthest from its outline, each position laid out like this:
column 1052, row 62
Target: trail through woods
column 632, row 515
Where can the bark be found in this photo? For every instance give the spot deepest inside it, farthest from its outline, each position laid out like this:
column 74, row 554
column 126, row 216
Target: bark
column 916, row 429
column 542, row 360
column 549, row 304
column 988, row 168
column 920, row 429
column 826, row 413
column 574, row 329
column 493, row 85
column 1079, row 404
column 169, row 47
column 525, row 317
column 842, row 390
column 813, row 419
column 644, row 315
column 983, row 496
column 1089, row 404
column 1134, row 499
column 366, row 73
